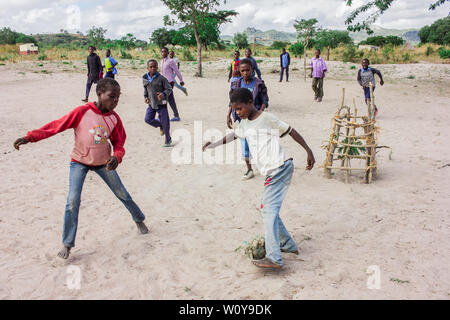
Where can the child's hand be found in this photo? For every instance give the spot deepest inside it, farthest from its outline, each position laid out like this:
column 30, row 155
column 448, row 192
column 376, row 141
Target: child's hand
column 19, row 142
column 160, row 96
column 381, row 82
column 229, row 123
column 112, row 164
column 310, row 161
column 147, row 101
column 206, row 146
column 182, row 83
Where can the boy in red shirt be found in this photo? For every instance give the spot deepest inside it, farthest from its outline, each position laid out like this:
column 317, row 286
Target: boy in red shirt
column 94, row 124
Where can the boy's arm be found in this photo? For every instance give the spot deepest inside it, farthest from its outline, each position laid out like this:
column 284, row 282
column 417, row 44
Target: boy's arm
column 359, row 77
column 264, row 96
column 255, row 66
column 299, row 139
column 70, row 120
column 118, row 137
column 230, row 74
column 289, row 59
column 177, row 72
column 377, row 72
column 167, row 88
column 228, row 138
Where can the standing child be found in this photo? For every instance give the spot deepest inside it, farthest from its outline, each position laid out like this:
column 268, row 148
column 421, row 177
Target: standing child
column 110, row 65
column 94, row 124
column 156, row 91
column 177, row 61
column 95, row 70
column 366, row 75
column 285, row 61
column 169, row 69
column 260, row 98
column 248, row 55
column 318, row 69
column 263, row 130
column 234, row 64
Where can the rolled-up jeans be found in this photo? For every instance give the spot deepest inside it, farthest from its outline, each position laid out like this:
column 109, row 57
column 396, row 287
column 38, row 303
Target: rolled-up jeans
column 77, row 176
column 277, row 238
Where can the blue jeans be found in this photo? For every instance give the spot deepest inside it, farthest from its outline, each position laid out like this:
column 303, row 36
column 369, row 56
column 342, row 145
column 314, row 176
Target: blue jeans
column 367, row 93
column 277, row 238
column 77, row 175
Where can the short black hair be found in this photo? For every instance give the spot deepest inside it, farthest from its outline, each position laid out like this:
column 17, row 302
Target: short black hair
column 241, row 95
column 317, row 49
column 105, row 84
column 365, row 59
column 249, row 50
column 237, row 51
column 92, row 48
column 152, row 60
column 164, row 48
column 246, row 61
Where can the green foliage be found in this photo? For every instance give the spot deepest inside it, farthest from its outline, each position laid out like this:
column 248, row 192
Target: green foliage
column 297, row 49
column 240, row 40
column 187, row 55
column 96, row 36
column 8, row 36
column 438, row 32
column 162, row 37
column 254, row 248
column 444, row 53
column 127, row 42
column 352, row 67
column 279, row 45
column 331, row 39
column 406, row 57
column 351, row 54
column 41, row 57
column 352, row 150
column 125, row 55
column 381, row 41
column 411, row 76
column 429, row 51
column 388, row 53
column 306, row 30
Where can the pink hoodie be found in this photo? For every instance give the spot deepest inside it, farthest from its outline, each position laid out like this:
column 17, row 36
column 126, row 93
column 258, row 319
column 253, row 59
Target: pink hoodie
column 92, row 131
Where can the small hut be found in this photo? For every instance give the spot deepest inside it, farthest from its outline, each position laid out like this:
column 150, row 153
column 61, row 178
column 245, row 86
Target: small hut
column 29, row 48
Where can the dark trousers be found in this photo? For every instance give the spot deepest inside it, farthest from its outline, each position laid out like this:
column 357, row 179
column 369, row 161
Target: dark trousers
column 282, row 72
column 367, row 93
column 110, row 74
column 173, row 104
column 88, row 87
column 317, row 86
column 163, row 121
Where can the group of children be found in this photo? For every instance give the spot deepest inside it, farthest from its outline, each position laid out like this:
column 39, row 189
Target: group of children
column 97, row 127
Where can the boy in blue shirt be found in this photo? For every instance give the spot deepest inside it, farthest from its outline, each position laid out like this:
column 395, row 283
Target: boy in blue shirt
column 110, row 65
column 285, row 61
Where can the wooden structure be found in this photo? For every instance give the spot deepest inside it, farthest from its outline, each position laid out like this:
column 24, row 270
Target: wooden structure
column 352, row 137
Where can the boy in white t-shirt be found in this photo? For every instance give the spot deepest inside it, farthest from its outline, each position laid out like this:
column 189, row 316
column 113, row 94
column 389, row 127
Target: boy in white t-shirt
column 262, row 131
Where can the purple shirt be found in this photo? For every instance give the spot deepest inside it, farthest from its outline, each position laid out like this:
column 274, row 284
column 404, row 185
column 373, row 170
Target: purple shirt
column 169, row 69
column 318, row 67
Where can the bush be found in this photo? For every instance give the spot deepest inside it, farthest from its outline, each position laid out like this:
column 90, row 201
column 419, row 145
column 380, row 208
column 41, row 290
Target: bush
column 125, row 55
column 279, row 45
column 297, row 49
column 406, row 57
column 187, row 55
column 41, row 57
column 350, row 54
column 240, row 40
column 444, row 53
column 429, row 51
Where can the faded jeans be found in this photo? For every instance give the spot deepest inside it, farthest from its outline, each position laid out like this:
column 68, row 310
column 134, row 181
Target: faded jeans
column 277, row 238
column 77, row 176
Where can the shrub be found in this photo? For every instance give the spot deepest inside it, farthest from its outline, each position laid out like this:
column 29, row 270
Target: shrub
column 429, row 51
column 41, row 57
column 297, row 49
column 350, row 54
column 125, row 55
column 444, row 53
column 406, row 57
column 187, row 55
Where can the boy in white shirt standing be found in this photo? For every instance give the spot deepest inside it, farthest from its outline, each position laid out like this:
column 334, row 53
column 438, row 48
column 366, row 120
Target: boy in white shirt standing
column 262, row 131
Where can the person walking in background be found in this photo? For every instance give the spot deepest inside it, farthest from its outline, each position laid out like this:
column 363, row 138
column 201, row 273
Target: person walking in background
column 168, row 70
column 234, row 65
column 318, row 69
column 285, row 61
column 248, row 55
column 110, row 65
column 95, row 70
column 177, row 61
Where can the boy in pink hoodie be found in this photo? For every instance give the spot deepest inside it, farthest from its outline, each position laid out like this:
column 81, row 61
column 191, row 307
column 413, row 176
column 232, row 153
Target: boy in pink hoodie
column 94, row 124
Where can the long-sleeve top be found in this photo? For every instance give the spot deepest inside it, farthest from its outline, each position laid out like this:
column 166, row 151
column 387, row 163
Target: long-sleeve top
column 319, row 67
column 366, row 76
column 255, row 68
column 169, row 69
column 285, row 60
column 94, row 65
column 92, row 130
column 153, row 86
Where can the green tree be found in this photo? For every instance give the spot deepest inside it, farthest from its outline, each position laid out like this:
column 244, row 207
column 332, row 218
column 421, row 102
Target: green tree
column 193, row 14
column 306, row 31
column 378, row 7
column 8, row 36
column 96, row 36
column 162, row 37
column 127, row 42
column 331, row 39
column 382, row 41
column 279, row 45
column 297, row 49
column 240, row 40
column 438, row 32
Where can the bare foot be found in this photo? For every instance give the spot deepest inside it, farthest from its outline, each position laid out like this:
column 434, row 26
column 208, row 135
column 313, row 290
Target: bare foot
column 142, row 227
column 64, row 253
column 266, row 263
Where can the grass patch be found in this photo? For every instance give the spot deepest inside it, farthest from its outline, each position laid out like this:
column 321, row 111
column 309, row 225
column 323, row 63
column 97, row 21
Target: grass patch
column 398, row 280
column 411, row 76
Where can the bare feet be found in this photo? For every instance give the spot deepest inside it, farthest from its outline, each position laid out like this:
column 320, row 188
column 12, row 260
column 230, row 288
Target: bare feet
column 266, row 263
column 64, row 253
column 142, row 227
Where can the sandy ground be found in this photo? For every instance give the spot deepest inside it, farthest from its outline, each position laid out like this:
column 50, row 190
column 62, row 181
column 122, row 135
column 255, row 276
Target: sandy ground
column 199, row 214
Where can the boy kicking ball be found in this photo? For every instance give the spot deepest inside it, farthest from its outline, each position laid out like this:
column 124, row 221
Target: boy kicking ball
column 262, row 131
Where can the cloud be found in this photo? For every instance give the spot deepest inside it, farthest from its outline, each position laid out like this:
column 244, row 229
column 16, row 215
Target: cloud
column 141, row 17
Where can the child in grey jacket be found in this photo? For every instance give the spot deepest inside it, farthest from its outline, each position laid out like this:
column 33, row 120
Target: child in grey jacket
column 156, row 91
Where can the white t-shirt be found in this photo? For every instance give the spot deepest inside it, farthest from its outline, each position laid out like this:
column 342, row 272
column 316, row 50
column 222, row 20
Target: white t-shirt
column 263, row 137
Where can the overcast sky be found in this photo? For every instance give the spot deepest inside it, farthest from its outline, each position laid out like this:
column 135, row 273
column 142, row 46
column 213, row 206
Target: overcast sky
column 141, row 17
